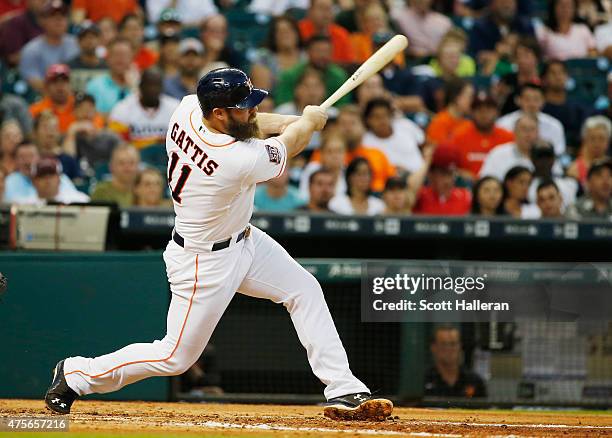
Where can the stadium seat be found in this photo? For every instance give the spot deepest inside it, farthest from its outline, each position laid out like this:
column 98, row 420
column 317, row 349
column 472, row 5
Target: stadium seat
column 155, row 156
column 102, row 172
column 588, row 79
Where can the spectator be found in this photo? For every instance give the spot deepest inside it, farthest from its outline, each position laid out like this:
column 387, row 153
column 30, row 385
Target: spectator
column 398, row 138
column 96, row 10
column 169, row 22
column 458, row 96
column 549, row 200
column 395, row 197
column 59, row 98
column 169, row 53
column 131, row 27
column 516, row 187
column 142, row 118
column 321, row 190
column 487, row 195
column 18, row 185
column 20, row 29
column 10, row 136
column 562, row 38
column 319, row 58
column 375, row 21
column 191, row 12
column 190, row 63
column 593, row 12
column 124, row 164
column 319, row 21
column 372, row 88
column 149, row 189
column 14, row 107
column 441, row 196
column 597, row 202
column 350, row 18
column 108, row 33
column 531, row 101
column 276, row 195
column 47, row 136
column 571, row 114
column 87, row 65
column 423, row 26
column 543, row 159
column 333, row 152
column 447, row 378
column 358, row 198
column 451, row 59
column 596, row 135
column 501, row 19
column 46, row 178
column 217, row 51
column 477, row 137
column 54, row 46
column 603, row 39
column 282, row 51
column 117, row 84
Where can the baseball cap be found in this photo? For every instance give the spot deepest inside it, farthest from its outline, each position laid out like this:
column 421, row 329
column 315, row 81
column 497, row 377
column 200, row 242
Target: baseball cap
column 54, row 7
column 445, row 157
column 483, row 98
column 599, row 165
column 88, row 27
column 57, row 71
column 191, row 45
column 46, row 166
column 394, row 183
column 169, row 15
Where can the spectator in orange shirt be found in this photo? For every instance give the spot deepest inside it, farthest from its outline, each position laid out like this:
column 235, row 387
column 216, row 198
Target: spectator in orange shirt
column 96, row 10
column 320, row 21
column 458, row 96
column 375, row 21
column 131, row 28
column 59, row 98
column 474, row 139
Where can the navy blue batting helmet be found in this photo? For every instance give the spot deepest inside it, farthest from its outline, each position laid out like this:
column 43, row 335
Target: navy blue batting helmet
column 228, row 88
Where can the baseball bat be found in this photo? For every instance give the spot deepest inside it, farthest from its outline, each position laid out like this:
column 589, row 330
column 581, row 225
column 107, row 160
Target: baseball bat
column 371, row 66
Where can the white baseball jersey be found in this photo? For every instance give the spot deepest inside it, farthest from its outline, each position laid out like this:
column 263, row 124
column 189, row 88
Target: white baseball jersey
column 213, row 176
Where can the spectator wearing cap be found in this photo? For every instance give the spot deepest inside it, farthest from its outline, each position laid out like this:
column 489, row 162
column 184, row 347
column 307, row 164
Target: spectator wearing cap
column 320, row 21
column 531, row 101
column 88, row 64
column 47, row 137
column 597, row 202
column 423, row 26
column 375, row 21
column 477, row 137
column 358, row 198
column 54, row 46
column 190, row 12
column 319, row 51
column 46, row 179
column 59, row 98
column 395, row 197
column 190, row 64
column 398, row 138
column 124, row 165
column 333, row 153
column 549, row 200
column 131, row 27
column 276, row 195
column 321, row 190
column 218, row 51
column 20, row 29
column 441, row 196
column 169, row 53
column 596, row 135
column 142, row 118
column 96, row 10
column 122, row 76
column 458, row 97
column 169, row 22
column 543, row 159
column 487, row 196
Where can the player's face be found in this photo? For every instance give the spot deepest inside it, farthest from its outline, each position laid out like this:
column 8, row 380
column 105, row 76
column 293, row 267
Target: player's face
column 242, row 123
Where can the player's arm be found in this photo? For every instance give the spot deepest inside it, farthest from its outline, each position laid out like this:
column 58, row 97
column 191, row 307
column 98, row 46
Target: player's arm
column 274, row 123
column 297, row 135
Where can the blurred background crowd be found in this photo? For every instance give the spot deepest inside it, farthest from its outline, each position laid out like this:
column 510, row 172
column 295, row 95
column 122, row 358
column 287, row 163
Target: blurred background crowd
column 498, row 107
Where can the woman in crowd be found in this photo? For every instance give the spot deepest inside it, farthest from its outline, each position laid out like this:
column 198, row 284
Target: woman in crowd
column 516, row 188
column 131, row 27
column 10, row 136
column 149, row 189
column 282, row 50
column 487, row 196
column 375, row 20
column 451, row 59
column 358, row 198
column 458, row 96
column 596, row 135
column 562, row 38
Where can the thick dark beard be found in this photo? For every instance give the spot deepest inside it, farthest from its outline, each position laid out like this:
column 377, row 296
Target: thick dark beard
column 243, row 131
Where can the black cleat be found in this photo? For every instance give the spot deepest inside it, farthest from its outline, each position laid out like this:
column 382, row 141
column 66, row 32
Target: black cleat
column 360, row 406
column 59, row 396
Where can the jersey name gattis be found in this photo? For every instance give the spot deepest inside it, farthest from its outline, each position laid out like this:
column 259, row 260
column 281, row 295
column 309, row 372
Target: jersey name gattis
column 199, row 157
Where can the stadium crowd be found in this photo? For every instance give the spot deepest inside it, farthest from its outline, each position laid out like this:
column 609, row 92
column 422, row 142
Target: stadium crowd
column 498, row 107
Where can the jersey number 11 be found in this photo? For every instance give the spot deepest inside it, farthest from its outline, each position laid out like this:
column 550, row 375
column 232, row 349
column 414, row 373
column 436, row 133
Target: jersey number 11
column 182, row 179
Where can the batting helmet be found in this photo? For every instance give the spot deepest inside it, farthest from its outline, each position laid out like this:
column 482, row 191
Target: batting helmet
column 227, row 88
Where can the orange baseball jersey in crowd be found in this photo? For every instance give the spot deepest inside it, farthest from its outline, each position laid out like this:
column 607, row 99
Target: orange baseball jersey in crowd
column 64, row 113
column 443, row 126
column 342, row 46
column 473, row 146
column 96, row 10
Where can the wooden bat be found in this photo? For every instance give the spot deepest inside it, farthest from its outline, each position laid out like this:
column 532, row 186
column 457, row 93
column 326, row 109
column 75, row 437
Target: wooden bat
column 371, row 66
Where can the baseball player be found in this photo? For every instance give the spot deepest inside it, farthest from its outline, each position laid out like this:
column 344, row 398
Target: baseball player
column 215, row 159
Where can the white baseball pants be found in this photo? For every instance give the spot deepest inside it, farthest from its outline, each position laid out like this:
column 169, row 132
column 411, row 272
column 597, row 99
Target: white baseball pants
column 202, row 286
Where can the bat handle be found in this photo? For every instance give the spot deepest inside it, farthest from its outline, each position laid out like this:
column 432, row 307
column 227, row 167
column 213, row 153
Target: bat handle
column 328, row 103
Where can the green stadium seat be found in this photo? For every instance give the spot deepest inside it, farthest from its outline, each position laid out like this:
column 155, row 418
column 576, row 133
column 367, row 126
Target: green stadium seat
column 588, row 79
column 155, row 156
column 102, row 172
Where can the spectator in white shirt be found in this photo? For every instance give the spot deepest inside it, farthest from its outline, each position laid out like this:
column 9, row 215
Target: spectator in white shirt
column 192, row 12
column 357, row 199
column 603, row 39
column 398, row 138
column 46, row 180
column 549, row 200
column 531, row 101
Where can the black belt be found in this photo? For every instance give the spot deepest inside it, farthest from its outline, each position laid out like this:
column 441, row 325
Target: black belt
column 217, row 245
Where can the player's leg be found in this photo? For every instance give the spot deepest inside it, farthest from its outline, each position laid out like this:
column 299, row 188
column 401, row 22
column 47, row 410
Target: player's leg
column 202, row 287
column 276, row 276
